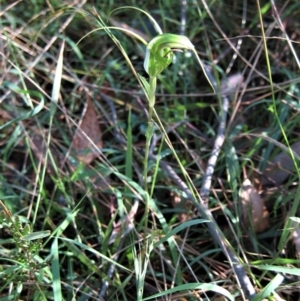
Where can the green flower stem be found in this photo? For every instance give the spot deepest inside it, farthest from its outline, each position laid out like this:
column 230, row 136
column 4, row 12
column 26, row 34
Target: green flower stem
column 152, row 90
column 150, row 128
column 149, row 134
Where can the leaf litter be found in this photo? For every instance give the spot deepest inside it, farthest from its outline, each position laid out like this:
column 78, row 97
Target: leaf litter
column 88, row 137
column 254, row 211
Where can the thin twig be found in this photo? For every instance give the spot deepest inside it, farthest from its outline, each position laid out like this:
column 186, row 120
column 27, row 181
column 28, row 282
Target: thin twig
column 183, row 17
column 227, row 87
column 240, row 40
column 206, row 184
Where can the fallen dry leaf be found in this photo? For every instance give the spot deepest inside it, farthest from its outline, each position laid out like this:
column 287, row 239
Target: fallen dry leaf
column 253, row 209
column 88, row 130
column 280, row 167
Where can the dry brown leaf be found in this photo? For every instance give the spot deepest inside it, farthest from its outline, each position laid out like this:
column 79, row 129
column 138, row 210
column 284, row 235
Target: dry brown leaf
column 280, row 167
column 253, row 209
column 89, row 130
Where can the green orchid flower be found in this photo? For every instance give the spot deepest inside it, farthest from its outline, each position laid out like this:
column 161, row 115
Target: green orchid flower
column 159, row 52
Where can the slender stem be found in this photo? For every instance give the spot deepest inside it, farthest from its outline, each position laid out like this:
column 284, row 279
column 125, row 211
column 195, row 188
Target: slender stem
column 152, row 83
column 149, row 134
column 150, row 128
column 207, row 178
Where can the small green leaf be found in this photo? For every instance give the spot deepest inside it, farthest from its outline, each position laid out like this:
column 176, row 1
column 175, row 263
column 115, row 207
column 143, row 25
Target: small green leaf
column 145, row 85
column 270, row 288
column 26, row 230
column 37, row 235
column 194, row 286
